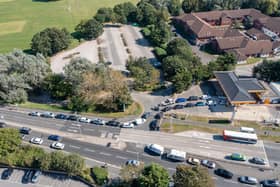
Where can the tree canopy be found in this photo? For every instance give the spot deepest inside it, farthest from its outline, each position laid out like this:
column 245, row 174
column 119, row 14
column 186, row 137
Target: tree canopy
column 267, row 71
column 89, row 29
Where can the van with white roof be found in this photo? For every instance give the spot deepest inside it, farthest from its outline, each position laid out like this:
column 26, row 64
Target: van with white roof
column 155, row 148
column 177, row 155
column 247, row 130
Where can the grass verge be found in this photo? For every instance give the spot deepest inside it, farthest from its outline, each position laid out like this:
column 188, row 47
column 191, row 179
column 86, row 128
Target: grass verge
column 166, row 127
column 134, row 109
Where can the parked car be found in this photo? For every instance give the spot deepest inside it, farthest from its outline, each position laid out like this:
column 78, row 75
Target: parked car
column 248, row 180
column 27, row 176
column 223, row 173
column 208, row 164
column 133, row 163
column 193, row 98
column 238, row 157
column 146, row 115
column 35, row 177
column 193, row 161
column 169, row 101
column 113, row 123
column 61, row 116
column 34, row 114
column 168, row 108
column 55, row 137
column 72, row 118
column 211, row 102
column 155, row 125
column 275, row 101
column 159, row 115
column 180, row 100
column 270, row 183
column 188, row 105
column 25, row 130
column 200, row 103
column 155, row 108
column 155, row 149
column 139, row 121
column 7, row 173
column 205, row 97
column 84, row 120
column 57, row 145
column 98, row 121
column 256, row 160
column 127, row 125
column 2, row 124
column 36, row 140
column 178, row 107
column 47, row 115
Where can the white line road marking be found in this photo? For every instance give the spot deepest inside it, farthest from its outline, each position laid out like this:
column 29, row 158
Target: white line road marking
column 73, row 146
column 76, row 125
column 204, row 147
column 121, row 157
column 72, row 130
column 133, row 152
column 172, row 169
column 106, row 154
column 87, row 129
column 230, row 181
column 89, row 150
column 205, row 141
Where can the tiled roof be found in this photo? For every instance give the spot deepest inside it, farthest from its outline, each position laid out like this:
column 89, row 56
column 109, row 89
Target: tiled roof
column 257, row 33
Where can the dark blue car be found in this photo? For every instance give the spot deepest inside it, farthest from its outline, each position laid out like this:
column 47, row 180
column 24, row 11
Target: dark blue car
column 180, row 100
column 54, row 137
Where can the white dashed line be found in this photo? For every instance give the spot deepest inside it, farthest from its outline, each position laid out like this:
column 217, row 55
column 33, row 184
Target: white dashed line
column 73, row 146
column 121, row 157
column 89, row 150
column 204, row 147
column 172, row 169
column 72, row 130
column 106, row 154
column 230, row 181
column 133, row 152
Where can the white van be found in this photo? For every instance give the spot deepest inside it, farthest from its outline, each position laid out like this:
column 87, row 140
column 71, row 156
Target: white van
column 177, row 155
column 155, row 148
column 247, row 130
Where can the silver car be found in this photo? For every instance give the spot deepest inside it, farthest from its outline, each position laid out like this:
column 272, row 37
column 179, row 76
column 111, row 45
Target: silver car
column 248, row 180
column 208, row 164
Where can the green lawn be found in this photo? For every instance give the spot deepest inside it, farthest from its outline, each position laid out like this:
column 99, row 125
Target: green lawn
column 38, row 15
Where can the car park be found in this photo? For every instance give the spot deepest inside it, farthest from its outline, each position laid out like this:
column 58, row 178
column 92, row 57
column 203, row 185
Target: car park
column 98, row 121
column 223, row 173
column 208, row 164
column 270, row 183
column 188, row 105
column 146, row 115
column 205, row 97
column 155, row 148
column 178, row 107
column 7, row 173
column 36, row 140
column 180, row 100
column 55, row 137
column 84, row 120
column 155, row 125
column 127, row 125
column 35, row 177
column 27, row 176
column 25, row 130
column 256, row 160
column 159, row 115
column 113, row 123
column 47, row 115
column 200, row 103
column 166, row 109
column 34, row 114
column 238, row 157
column 57, row 145
column 193, row 98
column 61, row 116
column 248, row 180
column 139, row 121
column 133, row 163
column 193, row 161
column 72, row 118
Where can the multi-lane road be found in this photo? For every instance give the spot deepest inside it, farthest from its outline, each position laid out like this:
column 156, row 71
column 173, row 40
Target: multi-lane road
column 91, row 149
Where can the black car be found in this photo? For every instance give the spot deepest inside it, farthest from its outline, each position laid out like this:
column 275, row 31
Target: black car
column 258, row 161
column 193, row 98
column 270, row 183
column 188, row 105
column 159, row 115
column 25, row 130
column 155, row 125
column 72, row 118
column 146, row 115
column 168, row 108
column 178, row 107
column 61, row 116
column 7, row 173
column 223, row 173
column 55, row 137
column 155, row 108
column 27, row 176
column 113, row 123
column 2, row 124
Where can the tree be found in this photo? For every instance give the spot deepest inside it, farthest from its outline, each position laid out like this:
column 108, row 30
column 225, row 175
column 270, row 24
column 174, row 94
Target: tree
column 50, row 41
column 146, row 14
column 100, row 175
column 267, row 71
column 160, row 33
column 89, row 29
column 192, row 177
column 9, row 141
column 105, row 15
column 153, row 175
column 129, row 174
column 268, row 6
column 174, row 7
column 74, row 164
column 190, row 5
column 125, row 12
column 179, row 46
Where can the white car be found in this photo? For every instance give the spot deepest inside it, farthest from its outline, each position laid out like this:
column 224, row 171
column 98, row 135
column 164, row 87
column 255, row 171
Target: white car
column 57, row 145
column 127, row 125
column 208, row 164
column 133, row 163
column 36, row 140
column 84, row 120
column 139, row 121
column 193, row 161
column 169, row 101
column 34, row 114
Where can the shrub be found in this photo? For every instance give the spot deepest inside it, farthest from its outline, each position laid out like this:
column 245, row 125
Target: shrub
column 100, row 175
column 160, row 53
column 146, row 32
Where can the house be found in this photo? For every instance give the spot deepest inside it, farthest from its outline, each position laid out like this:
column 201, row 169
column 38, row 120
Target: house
column 238, row 90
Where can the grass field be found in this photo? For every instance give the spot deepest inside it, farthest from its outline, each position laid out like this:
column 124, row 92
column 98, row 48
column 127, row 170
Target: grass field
column 39, row 15
column 11, row 27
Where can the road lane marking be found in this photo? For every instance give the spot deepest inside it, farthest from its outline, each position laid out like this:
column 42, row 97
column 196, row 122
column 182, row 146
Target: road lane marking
column 87, row 129
column 204, row 147
column 73, row 146
column 230, row 181
column 106, row 154
column 133, row 152
column 89, row 150
column 172, row 169
column 121, row 157
column 205, row 141
column 76, row 125
column 72, row 130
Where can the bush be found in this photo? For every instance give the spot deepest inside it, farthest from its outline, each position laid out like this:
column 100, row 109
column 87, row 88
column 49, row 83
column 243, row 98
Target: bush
column 100, row 175
column 160, row 53
column 146, row 32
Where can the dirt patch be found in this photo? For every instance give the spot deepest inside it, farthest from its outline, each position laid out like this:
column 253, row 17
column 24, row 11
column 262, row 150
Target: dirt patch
column 11, row 27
